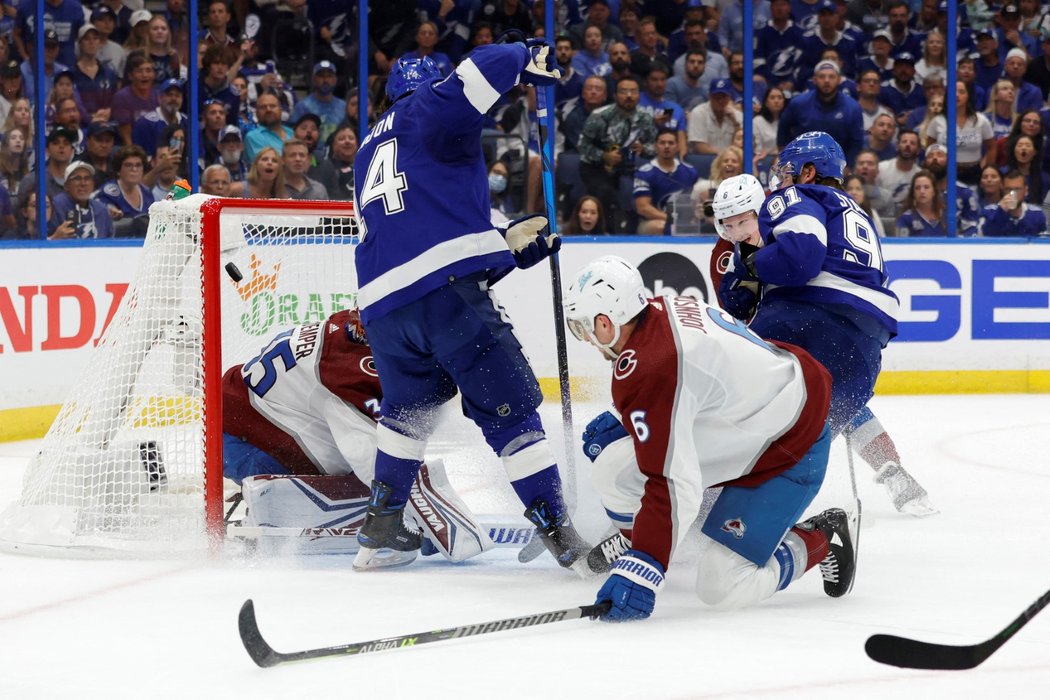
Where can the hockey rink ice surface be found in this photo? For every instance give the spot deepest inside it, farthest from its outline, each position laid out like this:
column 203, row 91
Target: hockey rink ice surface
column 168, row 629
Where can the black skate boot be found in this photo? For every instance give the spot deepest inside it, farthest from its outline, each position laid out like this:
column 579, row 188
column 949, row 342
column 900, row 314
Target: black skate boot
column 840, row 565
column 601, row 558
column 385, row 540
column 560, row 538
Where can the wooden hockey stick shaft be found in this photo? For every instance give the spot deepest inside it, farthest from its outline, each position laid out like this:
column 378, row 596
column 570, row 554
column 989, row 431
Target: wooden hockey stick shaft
column 266, row 656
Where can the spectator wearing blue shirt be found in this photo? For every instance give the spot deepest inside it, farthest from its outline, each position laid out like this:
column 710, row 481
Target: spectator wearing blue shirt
column 214, row 84
column 826, row 35
column 591, row 59
column 52, row 66
column 966, row 207
column 89, row 216
column 570, row 84
column 128, row 200
column 988, row 66
column 881, row 137
column 270, row 131
column 880, row 59
column 321, row 100
column 689, row 90
column 924, row 209
column 148, row 128
column 95, row 82
column 902, row 38
column 1012, row 216
column 902, row 94
column 731, row 24
column 656, row 182
column 666, row 113
column 778, row 47
column 824, row 109
column 1011, row 35
column 426, row 40
column 63, row 18
column 1028, row 95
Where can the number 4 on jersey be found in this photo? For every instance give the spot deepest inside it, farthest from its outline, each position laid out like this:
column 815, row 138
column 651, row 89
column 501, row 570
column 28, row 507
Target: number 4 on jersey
column 384, row 180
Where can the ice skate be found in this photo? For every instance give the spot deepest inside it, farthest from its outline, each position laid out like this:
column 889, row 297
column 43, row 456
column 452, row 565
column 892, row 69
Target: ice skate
column 840, row 565
column 385, row 540
column 905, row 492
column 601, row 558
column 560, row 538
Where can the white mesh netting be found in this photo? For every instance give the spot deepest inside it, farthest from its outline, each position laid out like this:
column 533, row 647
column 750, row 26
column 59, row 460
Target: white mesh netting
column 122, row 469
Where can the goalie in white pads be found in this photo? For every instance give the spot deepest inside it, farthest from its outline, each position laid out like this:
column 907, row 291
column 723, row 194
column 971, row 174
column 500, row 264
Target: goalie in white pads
column 705, row 402
column 299, row 436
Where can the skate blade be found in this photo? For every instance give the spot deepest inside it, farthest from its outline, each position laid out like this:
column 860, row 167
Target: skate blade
column 371, row 559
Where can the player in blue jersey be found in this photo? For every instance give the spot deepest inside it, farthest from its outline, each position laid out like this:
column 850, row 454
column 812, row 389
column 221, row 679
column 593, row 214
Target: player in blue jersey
column 823, row 287
column 425, row 269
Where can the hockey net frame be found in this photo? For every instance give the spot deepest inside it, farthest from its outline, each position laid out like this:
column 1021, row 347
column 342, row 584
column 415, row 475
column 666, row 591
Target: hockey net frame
column 54, row 516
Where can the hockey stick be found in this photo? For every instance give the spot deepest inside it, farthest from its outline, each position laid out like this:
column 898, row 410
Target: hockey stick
column 911, row 653
column 265, row 656
column 544, row 118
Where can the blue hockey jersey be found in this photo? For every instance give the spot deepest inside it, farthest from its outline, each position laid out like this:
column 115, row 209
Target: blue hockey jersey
column 820, row 246
column 422, row 188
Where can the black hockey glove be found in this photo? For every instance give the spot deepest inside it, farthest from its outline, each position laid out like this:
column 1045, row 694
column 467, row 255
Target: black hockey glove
column 744, row 260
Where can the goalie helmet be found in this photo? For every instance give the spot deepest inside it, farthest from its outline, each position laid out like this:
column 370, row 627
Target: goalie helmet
column 813, row 147
column 610, row 286
column 736, row 195
column 408, row 74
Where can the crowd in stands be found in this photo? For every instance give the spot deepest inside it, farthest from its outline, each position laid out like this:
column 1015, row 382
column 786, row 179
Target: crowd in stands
column 649, row 114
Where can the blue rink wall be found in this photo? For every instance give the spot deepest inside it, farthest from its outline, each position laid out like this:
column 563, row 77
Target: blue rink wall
column 975, row 315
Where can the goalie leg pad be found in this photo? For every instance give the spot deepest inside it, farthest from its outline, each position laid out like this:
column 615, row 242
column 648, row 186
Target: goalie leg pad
column 443, row 518
column 308, row 502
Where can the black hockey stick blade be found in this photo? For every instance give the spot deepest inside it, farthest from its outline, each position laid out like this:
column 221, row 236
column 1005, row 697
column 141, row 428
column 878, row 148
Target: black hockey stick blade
column 912, row 653
column 266, row 656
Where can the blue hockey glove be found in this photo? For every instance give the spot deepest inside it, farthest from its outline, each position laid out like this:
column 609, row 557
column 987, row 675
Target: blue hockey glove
column 600, row 433
column 542, row 69
column 631, row 587
column 738, row 294
column 530, row 240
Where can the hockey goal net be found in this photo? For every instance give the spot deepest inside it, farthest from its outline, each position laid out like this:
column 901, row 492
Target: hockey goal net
column 133, row 462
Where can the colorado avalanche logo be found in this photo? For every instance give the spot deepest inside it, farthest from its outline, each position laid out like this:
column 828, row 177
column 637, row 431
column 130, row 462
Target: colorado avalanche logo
column 368, row 366
column 722, row 263
column 735, row 527
column 624, row 364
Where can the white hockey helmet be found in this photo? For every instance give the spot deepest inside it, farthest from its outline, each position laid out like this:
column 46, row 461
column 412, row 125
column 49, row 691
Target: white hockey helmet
column 608, row 285
column 736, row 195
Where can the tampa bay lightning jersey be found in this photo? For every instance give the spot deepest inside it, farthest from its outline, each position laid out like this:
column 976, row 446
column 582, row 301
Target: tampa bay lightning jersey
column 820, row 246
column 422, row 188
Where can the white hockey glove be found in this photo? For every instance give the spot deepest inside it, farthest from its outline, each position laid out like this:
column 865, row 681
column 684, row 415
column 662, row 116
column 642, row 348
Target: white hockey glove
column 530, row 240
column 542, row 69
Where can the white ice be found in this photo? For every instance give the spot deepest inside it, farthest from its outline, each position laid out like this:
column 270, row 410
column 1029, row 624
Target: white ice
column 167, row 629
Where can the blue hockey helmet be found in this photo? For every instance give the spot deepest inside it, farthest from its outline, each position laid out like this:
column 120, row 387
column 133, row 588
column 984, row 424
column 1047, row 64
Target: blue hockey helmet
column 408, row 74
column 817, row 148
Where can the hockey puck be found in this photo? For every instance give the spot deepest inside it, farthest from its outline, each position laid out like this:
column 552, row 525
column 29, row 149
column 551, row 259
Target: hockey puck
column 233, row 272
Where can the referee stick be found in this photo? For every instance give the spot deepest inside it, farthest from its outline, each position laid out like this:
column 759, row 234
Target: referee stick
column 543, row 121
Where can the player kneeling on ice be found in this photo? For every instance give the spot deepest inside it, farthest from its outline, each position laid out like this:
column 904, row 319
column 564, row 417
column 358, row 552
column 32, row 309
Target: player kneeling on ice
column 705, row 402
column 299, row 436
